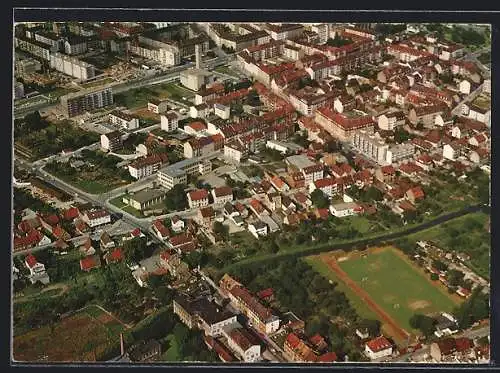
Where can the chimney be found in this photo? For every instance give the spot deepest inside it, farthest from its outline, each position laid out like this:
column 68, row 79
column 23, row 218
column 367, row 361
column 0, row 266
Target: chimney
column 122, row 345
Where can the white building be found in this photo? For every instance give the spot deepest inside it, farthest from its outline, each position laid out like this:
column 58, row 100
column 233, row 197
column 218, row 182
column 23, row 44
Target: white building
column 157, row 106
column 389, row 121
column 72, row 66
column 169, row 121
column 124, row 120
column 222, row 195
column 234, row 151
column 222, row 111
column 464, row 87
column 37, row 270
column 197, row 198
column 194, row 79
column 240, row 341
column 257, row 229
column 341, row 210
column 111, row 141
column 378, row 348
column 94, row 218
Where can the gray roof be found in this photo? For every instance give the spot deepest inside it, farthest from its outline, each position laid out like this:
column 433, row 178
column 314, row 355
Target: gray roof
column 147, row 195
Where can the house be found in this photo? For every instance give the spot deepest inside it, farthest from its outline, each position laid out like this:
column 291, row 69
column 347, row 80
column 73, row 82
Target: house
column 385, row 174
column 71, row 214
column 245, row 345
column 114, row 256
column 197, row 198
column 37, row 270
column 106, row 242
column 183, row 243
column 177, row 224
column 206, row 216
column 135, row 233
column 257, row 229
column 86, row 248
column 96, row 217
column 318, row 343
column 222, row 195
column 60, row 247
column 273, row 201
column 32, row 239
column 257, row 207
column 378, row 348
column 425, row 161
column 287, row 204
column 446, row 324
column 453, row 150
column 297, row 350
column 222, row 351
column 415, row 194
column 160, row 230
column 479, row 156
column 302, row 200
column 266, row 294
column 402, row 207
column 147, row 166
column 242, row 209
column 389, row 121
column 203, row 314
column 442, row 348
column 294, row 218
column 329, row 186
column 194, row 128
column 278, row 184
column 409, row 169
column 479, row 140
column 345, row 209
column 312, row 173
column 90, row 262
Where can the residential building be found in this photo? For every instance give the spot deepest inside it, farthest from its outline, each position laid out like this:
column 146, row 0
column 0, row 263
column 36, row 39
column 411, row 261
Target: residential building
column 235, row 151
column 415, row 194
column 371, row 145
column 37, row 270
column 245, row 345
column 147, row 166
column 94, row 218
column 258, row 229
column 157, row 106
column 169, row 121
column 177, row 224
column 341, row 210
column 222, row 195
column 144, row 199
column 106, row 242
column 197, row 198
column 90, row 262
column 222, row 111
column 112, row 141
column 87, row 100
column 72, row 66
column 330, row 186
column 425, row 114
column 149, row 48
column 199, row 111
column 343, row 126
column 160, row 230
column 378, row 348
column 202, row 314
column 35, row 48
column 75, row 45
column 123, row 120
column 174, row 174
column 197, row 147
column 389, row 121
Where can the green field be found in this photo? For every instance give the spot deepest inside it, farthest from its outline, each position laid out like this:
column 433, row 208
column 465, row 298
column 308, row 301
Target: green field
column 83, row 336
column 138, row 97
column 391, row 280
column 172, row 353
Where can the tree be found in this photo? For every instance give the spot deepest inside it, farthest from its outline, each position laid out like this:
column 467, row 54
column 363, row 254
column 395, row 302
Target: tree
column 439, row 265
column 475, row 308
column 133, row 250
column 373, row 326
column 401, row 135
column 425, row 324
column 455, row 277
column 221, row 229
column 373, row 194
column 319, row 199
column 434, row 277
column 176, row 198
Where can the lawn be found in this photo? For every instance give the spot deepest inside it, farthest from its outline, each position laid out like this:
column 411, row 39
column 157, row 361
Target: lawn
column 139, row 97
column 97, row 83
column 319, row 266
column 397, row 286
column 172, row 353
column 226, row 70
column 83, row 336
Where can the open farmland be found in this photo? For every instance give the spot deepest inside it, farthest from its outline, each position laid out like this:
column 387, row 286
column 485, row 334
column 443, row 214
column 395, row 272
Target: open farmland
column 371, row 279
column 81, row 337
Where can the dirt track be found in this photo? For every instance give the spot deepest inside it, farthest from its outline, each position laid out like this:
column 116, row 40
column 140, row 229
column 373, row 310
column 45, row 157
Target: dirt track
column 384, row 316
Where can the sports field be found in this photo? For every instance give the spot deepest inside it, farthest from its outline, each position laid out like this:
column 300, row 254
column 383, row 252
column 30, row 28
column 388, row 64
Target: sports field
column 384, row 281
column 83, row 337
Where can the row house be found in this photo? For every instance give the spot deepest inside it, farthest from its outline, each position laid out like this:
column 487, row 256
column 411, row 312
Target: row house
column 183, row 243
column 260, row 316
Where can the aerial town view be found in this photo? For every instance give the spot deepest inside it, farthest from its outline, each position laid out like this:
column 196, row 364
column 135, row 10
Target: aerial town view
column 251, row 193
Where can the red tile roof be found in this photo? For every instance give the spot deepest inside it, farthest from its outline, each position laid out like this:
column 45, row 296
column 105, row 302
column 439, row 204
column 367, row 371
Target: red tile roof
column 199, row 194
column 378, row 344
column 256, row 205
column 197, row 126
column 181, row 239
column 223, row 191
column 207, row 212
column 326, row 182
column 90, row 262
column 266, row 293
column 251, row 302
column 115, row 256
column 388, row 170
column 328, row 357
column 51, row 219
column 292, row 340
column 31, row 239
column 316, row 339
column 71, row 214
column 160, row 227
column 344, row 121
column 418, row 193
column 31, row 260
column 136, row 232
